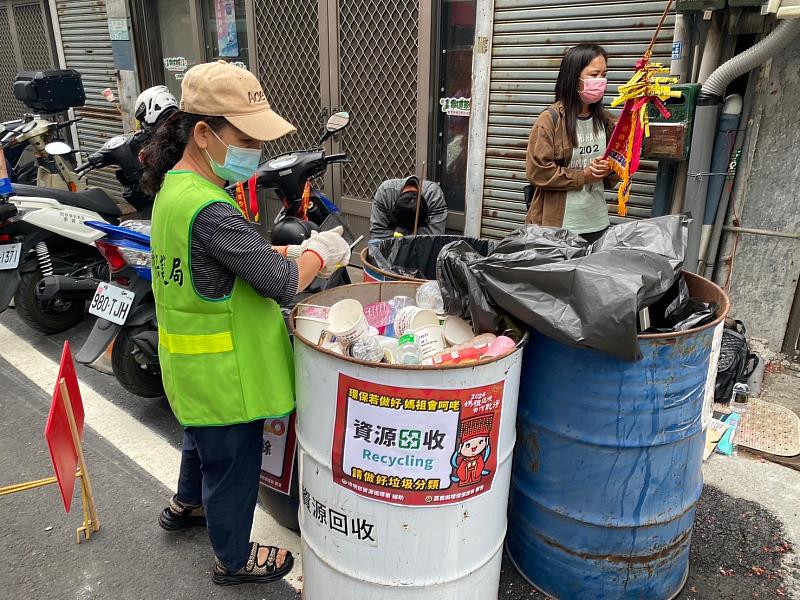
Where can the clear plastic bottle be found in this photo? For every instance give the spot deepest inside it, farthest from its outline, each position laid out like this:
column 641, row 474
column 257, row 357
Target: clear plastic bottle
column 740, row 398
column 408, row 350
column 430, row 296
column 369, row 349
column 396, row 304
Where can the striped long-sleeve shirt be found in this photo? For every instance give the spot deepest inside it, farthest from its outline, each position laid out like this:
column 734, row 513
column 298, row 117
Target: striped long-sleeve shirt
column 225, row 245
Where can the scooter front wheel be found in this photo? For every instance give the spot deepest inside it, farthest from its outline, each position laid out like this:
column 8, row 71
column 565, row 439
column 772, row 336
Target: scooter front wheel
column 138, row 379
column 51, row 316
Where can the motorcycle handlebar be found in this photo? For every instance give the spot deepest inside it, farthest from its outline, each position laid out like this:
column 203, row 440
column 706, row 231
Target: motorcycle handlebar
column 69, row 122
column 85, row 167
column 336, row 157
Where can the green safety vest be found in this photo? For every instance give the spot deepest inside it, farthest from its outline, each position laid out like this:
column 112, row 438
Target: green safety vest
column 223, row 361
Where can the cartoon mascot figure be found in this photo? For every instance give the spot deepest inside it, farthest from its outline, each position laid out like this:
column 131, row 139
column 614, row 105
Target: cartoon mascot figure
column 474, row 449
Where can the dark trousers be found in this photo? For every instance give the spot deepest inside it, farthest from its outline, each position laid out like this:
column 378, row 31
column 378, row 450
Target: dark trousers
column 594, row 236
column 220, row 469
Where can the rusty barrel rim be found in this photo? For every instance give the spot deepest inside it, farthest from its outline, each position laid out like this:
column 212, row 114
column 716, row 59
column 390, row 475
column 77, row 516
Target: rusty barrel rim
column 695, row 282
column 387, row 274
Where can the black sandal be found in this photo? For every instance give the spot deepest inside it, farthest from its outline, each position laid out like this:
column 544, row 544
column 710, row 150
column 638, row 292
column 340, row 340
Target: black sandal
column 252, row 572
column 180, row 516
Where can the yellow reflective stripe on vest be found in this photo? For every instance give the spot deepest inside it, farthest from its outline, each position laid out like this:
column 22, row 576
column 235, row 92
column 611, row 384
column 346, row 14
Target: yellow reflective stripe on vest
column 195, row 344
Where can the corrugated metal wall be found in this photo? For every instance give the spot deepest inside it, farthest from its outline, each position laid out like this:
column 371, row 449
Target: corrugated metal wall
column 87, row 49
column 529, row 39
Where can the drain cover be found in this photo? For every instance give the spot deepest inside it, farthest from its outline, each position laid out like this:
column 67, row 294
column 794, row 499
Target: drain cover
column 768, row 427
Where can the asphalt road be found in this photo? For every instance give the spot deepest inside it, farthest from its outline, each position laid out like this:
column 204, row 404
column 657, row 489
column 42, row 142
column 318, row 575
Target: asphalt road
column 740, row 549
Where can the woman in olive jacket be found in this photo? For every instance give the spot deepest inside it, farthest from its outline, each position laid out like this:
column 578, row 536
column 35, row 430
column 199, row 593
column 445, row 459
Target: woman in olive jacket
column 565, row 161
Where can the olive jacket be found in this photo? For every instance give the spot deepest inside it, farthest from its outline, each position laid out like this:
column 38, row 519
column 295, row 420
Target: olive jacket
column 549, row 151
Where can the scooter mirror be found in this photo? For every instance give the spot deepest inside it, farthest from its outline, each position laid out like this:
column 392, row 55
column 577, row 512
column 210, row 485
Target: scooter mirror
column 337, row 122
column 57, row 148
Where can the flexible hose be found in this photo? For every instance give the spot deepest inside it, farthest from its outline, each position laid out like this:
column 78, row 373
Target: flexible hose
column 779, row 38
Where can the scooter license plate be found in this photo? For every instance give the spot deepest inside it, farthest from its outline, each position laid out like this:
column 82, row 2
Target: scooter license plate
column 9, row 256
column 111, row 303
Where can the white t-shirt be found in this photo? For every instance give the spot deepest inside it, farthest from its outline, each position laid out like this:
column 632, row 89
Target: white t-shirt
column 586, row 210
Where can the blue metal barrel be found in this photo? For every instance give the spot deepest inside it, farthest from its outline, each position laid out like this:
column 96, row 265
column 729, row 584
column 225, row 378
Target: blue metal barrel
column 607, row 465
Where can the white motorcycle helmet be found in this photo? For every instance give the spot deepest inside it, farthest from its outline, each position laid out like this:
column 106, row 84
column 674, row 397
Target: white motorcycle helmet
column 153, row 103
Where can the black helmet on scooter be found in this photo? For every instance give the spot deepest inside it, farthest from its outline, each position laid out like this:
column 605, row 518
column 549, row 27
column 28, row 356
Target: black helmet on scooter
column 292, row 231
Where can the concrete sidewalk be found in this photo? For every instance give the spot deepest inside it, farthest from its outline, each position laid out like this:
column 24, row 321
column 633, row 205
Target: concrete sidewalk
column 130, row 558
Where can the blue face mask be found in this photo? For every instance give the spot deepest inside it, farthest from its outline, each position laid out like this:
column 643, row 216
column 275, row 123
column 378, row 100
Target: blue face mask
column 240, row 163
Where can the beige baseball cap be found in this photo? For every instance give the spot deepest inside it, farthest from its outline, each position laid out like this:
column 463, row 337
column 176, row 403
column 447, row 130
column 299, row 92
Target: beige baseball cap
column 221, row 89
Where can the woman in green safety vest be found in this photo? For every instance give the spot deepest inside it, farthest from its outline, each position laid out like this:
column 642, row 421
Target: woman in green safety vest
column 225, row 355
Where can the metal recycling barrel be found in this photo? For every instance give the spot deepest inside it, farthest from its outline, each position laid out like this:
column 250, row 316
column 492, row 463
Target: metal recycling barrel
column 373, row 274
column 607, row 468
column 415, row 254
column 404, row 471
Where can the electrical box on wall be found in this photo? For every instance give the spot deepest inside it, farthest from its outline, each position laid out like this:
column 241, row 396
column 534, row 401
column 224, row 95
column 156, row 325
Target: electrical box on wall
column 670, row 137
column 700, row 5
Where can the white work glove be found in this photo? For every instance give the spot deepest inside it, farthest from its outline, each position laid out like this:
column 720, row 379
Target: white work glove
column 295, row 251
column 331, row 248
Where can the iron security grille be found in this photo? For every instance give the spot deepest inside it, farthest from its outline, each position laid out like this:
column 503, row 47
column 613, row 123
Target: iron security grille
column 34, row 43
column 378, row 84
column 10, row 107
column 288, row 59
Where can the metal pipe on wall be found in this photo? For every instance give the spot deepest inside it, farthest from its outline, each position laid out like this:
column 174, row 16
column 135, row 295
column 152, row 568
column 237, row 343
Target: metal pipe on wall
column 720, row 162
column 712, row 50
column 689, row 37
column 735, row 167
column 665, row 183
column 767, row 232
column 680, row 65
column 706, row 122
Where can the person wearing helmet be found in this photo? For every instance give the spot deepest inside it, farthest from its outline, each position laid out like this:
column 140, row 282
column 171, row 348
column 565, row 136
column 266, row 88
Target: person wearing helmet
column 154, row 105
column 225, row 355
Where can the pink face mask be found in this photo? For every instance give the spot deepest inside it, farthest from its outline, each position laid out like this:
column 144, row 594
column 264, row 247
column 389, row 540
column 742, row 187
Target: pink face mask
column 593, row 89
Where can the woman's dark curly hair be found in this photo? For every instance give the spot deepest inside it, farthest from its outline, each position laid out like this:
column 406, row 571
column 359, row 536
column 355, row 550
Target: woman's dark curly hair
column 165, row 148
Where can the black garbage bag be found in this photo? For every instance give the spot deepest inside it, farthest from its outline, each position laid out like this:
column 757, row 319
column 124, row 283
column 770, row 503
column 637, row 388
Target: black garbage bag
column 415, row 255
column 578, row 293
column 462, row 289
column 665, row 236
column 677, row 311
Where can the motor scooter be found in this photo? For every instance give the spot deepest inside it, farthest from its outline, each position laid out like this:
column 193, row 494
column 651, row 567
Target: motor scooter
column 38, row 155
column 59, row 266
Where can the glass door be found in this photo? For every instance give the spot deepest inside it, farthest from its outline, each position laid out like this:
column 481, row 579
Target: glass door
column 175, row 35
column 225, row 31
column 457, row 32
column 177, row 40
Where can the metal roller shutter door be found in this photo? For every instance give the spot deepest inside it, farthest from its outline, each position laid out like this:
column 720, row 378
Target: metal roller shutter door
column 87, row 49
column 529, row 39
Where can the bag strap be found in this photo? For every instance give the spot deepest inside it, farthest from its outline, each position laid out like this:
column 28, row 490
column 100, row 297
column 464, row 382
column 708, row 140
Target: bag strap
column 739, row 327
column 753, row 360
column 528, row 190
column 555, row 115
